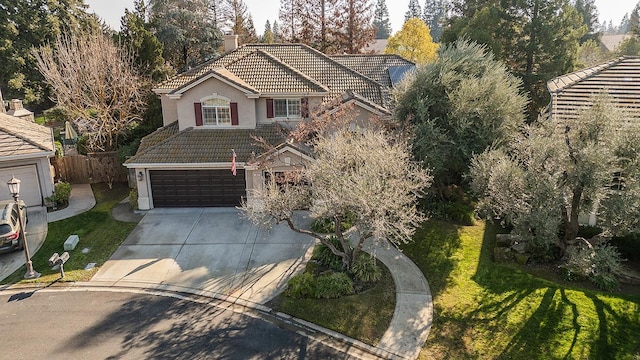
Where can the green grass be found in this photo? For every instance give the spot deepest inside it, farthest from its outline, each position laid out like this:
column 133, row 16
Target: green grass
column 485, row 310
column 97, row 230
column 365, row 316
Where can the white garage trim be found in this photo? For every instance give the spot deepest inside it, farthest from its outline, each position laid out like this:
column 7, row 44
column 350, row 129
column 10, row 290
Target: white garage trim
column 30, row 189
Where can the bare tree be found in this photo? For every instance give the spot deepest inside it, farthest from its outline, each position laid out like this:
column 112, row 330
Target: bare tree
column 365, row 175
column 96, row 82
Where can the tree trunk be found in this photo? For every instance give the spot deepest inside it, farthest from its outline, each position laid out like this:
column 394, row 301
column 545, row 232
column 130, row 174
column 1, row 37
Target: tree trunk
column 572, row 226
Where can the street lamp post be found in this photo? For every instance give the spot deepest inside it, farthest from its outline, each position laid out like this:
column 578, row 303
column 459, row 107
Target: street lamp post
column 14, row 189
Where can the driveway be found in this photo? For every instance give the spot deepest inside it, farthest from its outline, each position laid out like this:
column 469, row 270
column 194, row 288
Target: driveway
column 36, row 233
column 212, row 250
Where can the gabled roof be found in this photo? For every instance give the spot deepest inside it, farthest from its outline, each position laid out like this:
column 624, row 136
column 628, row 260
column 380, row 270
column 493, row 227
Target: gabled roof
column 375, row 67
column 620, row 78
column 285, row 68
column 22, row 137
column 197, row 146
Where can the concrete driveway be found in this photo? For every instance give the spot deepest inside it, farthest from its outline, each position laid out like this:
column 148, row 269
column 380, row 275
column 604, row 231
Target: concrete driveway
column 36, row 233
column 212, row 250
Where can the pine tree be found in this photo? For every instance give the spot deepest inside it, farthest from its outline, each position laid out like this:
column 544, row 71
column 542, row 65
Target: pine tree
column 268, row 37
column 634, row 20
column 276, row 32
column 623, row 28
column 434, row 13
column 587, row 9
column 238, row 18
column 353, row 29
column 414, row 10
column 381, row 20
column 290, row 20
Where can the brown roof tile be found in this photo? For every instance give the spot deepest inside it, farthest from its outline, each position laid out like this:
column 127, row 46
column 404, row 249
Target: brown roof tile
column 373, row 66
column 22, row 137
column 193, row 146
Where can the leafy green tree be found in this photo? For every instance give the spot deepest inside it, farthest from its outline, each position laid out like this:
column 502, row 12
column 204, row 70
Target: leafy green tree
column 629, row 46
column 187, row 31
column 147, row 49
column 381, row 20
column 538, row 39
column 587, row 9
column 413, row 42
column 458, row 106
column 551, row 173
column 25, row 24
column 591, row 53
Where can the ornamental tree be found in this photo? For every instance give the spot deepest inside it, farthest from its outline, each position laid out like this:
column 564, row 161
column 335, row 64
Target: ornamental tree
column 365, row 175
column 552, row 172
column 413, row 42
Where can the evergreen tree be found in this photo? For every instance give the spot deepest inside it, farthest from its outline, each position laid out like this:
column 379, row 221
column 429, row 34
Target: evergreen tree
column 185, row 28
column 624, row 26
column 290, row 20
column 25, row 24
column 634, row 19
column 239, row 20
column 147, row 49
column 381, row 20
column 353, row 30
column 276, row 32
column 268, row 37
column 434, row 14
column 587, row 9
column 413, row 11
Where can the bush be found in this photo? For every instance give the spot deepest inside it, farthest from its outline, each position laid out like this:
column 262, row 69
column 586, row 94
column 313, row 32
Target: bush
column 366, row 269
column 629, row 246
column 61, row 194
column 599, row 264
column 327, row 225
column 133, row 198
column 325, row 257
column 333, row 286
column 301, row 286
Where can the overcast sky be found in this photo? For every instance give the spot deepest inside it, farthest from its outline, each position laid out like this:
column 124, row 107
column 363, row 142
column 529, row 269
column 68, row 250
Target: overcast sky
column 263, row 10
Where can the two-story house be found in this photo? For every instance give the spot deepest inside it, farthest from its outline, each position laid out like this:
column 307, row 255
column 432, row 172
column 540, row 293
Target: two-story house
column 212, row 114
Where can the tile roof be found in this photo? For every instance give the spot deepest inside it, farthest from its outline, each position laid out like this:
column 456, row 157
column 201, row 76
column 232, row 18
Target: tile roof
column 373, row 66
column 193, row 146
column 619, row 78
column 22, row 137
column 305, row 66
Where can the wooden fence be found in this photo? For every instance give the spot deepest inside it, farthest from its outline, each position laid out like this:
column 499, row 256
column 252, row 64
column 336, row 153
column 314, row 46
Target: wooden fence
column 92, row 168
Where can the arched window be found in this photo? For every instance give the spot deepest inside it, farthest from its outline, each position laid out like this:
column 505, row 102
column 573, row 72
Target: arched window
column 216, row 111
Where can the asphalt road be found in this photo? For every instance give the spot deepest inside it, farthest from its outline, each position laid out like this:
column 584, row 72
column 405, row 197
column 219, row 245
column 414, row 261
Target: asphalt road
column 115, row 325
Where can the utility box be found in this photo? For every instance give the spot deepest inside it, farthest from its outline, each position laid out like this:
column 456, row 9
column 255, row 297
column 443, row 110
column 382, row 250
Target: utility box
column 71, row 242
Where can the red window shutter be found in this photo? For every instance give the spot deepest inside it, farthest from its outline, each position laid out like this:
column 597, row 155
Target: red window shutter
column 234, row 113
column 304, row 107
column 269, row 108
column 197, row 107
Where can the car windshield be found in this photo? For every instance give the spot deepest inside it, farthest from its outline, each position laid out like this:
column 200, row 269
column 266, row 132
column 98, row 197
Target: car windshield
column 5, row 229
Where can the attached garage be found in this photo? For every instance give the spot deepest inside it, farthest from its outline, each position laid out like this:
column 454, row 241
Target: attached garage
column 30, row 190
column 197, row 188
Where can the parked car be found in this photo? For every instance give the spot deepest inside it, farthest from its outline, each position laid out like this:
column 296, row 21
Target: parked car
column 10, row 235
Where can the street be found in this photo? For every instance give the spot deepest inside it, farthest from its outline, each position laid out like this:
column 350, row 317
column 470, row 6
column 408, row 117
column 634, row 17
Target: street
column 118, row 325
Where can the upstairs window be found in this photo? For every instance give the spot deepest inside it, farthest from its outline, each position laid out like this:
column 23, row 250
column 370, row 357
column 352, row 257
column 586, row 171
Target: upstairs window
column 216, row 112
column 287, row 108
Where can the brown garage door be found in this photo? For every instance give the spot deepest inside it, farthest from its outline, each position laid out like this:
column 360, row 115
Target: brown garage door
column 197, row 188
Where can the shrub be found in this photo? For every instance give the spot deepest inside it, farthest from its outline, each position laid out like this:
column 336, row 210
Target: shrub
column 628, row 245
column 61, row 194
column 333, row 286
column 366, row 269
column 323, row 255
column 301, row 286
column 133, row 198
column 599, row 264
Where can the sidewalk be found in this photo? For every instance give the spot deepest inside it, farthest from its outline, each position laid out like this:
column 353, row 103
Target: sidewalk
column 81, row 200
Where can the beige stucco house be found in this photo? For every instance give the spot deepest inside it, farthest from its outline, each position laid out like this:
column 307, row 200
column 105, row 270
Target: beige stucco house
column 218, row 108
column 25, row 152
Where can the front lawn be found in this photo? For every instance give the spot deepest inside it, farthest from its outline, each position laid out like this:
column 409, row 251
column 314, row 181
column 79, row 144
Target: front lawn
column 486, row 310
column 98, row 231
column 365, row 316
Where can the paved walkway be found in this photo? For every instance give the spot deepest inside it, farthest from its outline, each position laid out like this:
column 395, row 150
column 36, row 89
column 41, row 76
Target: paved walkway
column 81, row 200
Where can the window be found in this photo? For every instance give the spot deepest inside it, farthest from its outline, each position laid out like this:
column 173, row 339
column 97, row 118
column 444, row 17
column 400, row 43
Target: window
column 216, row 112
column 290, row 108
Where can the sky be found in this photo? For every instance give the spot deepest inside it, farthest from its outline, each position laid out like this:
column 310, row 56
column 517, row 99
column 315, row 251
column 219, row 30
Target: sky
column 262, row 10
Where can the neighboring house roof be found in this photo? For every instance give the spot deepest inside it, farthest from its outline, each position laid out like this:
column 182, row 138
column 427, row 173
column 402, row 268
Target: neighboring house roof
column 376, row 47
column 611, row 41
column 22, row 137
column 284, row 68
column 620, row 78
column 376, row 67
column 167, row 145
